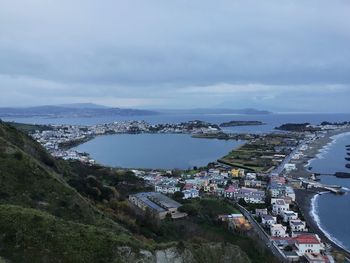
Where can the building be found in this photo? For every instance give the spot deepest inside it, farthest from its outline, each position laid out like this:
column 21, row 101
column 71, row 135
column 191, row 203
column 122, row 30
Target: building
column 289, row 215
column 260, row 212
column 250, row 195
column 289, row 167
column 308, row 243
column 289, row 192
column 237, row 173
column 278, row 230
column 167, row 188
column 268, row 220
column 192, row 193
column 230, row 192
column 253, row 183
column 297, row 225
column 279, row 206
column 157, row 204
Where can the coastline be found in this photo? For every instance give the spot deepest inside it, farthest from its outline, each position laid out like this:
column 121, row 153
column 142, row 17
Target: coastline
column 306, row 198
column 314, row 151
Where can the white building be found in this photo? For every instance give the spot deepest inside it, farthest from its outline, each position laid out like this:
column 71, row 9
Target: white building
column 290, row 167
column 290, row 193
column 308, row 243
column 167, row 188
column 297, row 225
column 289, row 215
column 192, row 193
column 268, row 220
column 278, row 230
column 279, row 206
column 251, row 195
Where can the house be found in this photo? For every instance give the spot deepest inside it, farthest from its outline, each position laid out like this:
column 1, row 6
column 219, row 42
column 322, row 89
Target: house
column 289, row 215
column 192, row 193
column 167, row 187
column 251, row 195
column 297, row 225
column 278, row 230
column 279, row 206
column 289, row 167
column 157, row 204
column 230, row 192
column 289, row 192
column 260, row 212
column 308, row 243
column 268, row 220
column 250, row 176
column 237, row 173
column 211, row 188
column 253, row 183
column 275, row 191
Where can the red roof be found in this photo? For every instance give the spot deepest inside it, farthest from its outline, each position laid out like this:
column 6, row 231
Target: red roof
column 231, row 189
column 188, row 186
column 307, row 239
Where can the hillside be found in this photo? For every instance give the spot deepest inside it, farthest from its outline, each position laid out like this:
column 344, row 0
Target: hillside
column 57, row 211
column 82, row 110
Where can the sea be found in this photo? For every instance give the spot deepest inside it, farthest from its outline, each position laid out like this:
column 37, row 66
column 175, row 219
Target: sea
column 331, row 212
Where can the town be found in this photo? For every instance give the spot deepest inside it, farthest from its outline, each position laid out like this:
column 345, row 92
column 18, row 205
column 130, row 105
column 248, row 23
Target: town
column 59, row 139
column 266, row 201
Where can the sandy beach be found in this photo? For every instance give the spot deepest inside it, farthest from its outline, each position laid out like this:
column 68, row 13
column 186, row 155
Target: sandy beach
column 304, row 197
column 312, row 152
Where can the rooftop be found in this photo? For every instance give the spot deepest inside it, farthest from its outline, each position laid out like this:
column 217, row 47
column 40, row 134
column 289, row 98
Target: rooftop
column 307, row 239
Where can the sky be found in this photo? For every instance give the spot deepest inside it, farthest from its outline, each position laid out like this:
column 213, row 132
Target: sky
column 274, row 55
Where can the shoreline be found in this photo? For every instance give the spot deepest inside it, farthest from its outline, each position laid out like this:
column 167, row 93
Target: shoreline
column 305, row 201
column 306, row 198
column 314, row 151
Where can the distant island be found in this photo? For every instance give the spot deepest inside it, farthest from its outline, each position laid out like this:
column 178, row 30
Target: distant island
column 248, row 111
column 72, row 110
column 241, row 123
column 298, row 127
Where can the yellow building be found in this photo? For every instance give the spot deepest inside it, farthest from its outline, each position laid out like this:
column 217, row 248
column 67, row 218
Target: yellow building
column 237, row 172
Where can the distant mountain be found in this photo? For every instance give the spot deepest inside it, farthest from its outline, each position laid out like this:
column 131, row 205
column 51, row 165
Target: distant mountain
column 72, row 110
column 83, row 106
column 217, row 111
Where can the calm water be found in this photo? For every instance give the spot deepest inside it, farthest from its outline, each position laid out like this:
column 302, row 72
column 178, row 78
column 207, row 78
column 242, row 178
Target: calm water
column 333, row 211
column 165, row 151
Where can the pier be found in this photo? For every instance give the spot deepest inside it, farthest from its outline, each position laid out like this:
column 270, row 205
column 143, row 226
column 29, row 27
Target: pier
column 336, row 189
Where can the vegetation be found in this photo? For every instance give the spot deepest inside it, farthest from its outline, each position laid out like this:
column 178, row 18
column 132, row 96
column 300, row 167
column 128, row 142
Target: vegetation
column 297, row 127
column 258, row 155
column 240, row 123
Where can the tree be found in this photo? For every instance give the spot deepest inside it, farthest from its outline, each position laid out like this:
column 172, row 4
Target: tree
column 242, row 202
column 178, row 195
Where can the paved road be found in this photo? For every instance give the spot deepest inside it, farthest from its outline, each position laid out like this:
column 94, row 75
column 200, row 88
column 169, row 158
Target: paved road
column 262, row 234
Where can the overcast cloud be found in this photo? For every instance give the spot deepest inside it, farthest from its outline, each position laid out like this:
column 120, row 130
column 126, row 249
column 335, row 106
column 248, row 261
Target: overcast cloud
column 277, row 55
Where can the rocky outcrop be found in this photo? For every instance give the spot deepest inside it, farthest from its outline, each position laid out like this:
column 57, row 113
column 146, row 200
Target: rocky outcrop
column 190, row 253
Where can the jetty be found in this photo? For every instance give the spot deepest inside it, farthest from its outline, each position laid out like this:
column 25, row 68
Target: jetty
column 336, row 189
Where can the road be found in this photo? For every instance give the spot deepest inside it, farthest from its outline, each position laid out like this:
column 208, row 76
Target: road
column 262, row 234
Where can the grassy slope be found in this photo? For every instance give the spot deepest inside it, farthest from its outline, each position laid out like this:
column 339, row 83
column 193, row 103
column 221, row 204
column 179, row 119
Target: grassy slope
column 29, row 235
column 35, row 203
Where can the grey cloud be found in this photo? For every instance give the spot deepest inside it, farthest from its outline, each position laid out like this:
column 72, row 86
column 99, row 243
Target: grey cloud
column 147, row 52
